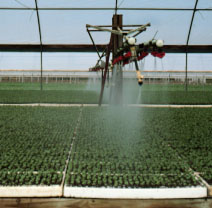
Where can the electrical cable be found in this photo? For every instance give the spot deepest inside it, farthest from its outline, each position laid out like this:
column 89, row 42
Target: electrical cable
column 20, row 3
column 121, row 3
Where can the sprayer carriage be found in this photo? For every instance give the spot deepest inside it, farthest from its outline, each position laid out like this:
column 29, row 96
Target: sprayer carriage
column 124, row 50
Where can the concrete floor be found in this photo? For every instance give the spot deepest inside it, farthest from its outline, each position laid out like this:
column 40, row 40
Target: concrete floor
column 101, row 203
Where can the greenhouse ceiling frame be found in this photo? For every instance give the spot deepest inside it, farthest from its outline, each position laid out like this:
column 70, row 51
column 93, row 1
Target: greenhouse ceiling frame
column 41, row 46
column 90, row 48
column 188, row 38
column 111, row 9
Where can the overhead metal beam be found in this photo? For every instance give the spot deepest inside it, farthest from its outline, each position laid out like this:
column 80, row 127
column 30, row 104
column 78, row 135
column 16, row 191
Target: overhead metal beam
column 187, row 41
column 116, row 7
column 122, row 25
column 91, row 48
column 50, row 47
column 121, row 9
column 41, row 46
column 189, row 48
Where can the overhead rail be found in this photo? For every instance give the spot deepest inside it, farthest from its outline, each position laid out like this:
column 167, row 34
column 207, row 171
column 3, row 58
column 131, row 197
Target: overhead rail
column 187, row 41
column 91, row 48
column 41, row 46
column 102, row 8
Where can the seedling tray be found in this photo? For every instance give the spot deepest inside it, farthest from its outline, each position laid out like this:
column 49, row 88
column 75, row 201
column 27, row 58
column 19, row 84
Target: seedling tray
column 31, row 191
column 133, row 193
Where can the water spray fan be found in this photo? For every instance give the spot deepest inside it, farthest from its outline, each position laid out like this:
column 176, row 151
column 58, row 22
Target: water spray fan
column 158, row 54
column 133, row 53
column 125, row 50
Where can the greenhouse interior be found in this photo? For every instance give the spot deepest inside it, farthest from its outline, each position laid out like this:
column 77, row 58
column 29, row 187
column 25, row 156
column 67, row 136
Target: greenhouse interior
column 106, row 103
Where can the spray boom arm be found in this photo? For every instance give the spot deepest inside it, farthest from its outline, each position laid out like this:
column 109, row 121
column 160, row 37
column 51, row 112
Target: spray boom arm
column 130, row 52
column 134, row 53
column 119, row 31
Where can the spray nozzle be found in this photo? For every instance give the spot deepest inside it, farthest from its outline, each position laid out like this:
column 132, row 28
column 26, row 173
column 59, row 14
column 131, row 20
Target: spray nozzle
column 139, row 77
column 140, row 83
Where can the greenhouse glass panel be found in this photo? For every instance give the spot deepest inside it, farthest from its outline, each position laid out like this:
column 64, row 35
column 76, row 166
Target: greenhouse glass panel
column 76, row 3
column 200, row 62
column 156, row 4
column 204, row 4
column 171, row 62
column 121, row 3
column 69, row 27
column 19, row 27
column 201, row 32
column 172, row 26
column 69, row 61
column 22, row 60
column 17, row 3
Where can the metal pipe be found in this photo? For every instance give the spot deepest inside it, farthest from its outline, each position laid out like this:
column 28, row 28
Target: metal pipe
column 106, row 31
column 186, row 74
column 93, row 43
column 116, row 7
column 103, row 54
column 122, row 25
column 105, row 72
column 112, row 9
column 188, row 38
column 101, row 47
column 41, row 46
